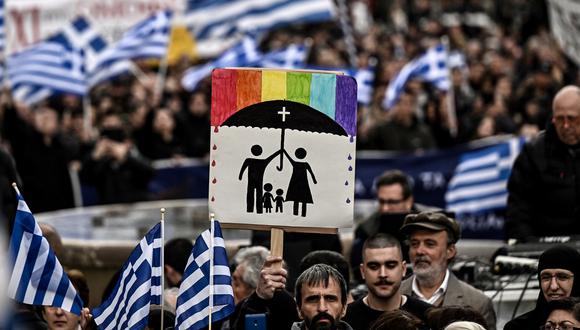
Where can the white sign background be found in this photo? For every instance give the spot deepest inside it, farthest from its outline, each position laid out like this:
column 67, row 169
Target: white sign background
column 327, row 155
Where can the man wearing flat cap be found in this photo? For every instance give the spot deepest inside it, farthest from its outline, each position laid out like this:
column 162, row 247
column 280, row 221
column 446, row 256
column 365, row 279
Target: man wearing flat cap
column 432, row 237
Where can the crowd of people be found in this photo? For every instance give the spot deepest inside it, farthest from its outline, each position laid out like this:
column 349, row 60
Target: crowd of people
column 504, row 83
column 420, row 294
column 512, row 78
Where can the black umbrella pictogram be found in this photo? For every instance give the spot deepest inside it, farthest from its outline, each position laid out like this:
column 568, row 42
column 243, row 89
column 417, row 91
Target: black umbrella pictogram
column 284, row 115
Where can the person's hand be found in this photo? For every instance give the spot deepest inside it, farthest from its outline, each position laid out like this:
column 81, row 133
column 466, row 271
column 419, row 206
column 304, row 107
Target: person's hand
column 101, row 149
column 119, row 151
column 272, row 278
column 86, row 318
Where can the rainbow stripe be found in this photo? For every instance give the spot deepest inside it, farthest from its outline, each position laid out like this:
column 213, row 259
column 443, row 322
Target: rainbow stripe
column 331, row 94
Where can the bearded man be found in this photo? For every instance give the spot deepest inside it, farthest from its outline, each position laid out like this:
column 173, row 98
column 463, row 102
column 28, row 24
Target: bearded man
column 432, row 238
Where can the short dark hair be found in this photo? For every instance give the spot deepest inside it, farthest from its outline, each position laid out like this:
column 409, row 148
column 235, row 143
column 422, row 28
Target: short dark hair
column 382, row 240
column 327, row 257
column 176, row 253
column 566, row 304
column 316, row 275
column 398, row 319
column 392, row 177
column 440, row 317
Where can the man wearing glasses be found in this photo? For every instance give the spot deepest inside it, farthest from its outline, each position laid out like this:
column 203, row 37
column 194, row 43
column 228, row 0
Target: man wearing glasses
column 557, row 268
column 544, row 185
column 395, row 200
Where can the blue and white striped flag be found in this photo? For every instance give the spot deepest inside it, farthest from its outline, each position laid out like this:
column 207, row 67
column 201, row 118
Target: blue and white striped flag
column 196, row 292
column 430, row 67
column 292, row 57
column 138, row 287
column 147, row 39
column 2, row 29
column 479, row 183
column 245, row 53
column 37, row 276
column 55, row 65
column 365, row 80
column 222, row 19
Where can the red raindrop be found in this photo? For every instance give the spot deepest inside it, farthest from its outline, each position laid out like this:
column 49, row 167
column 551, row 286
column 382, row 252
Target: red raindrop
column 216, row 129
column 214, row 147
column 214, row 180
column 213, row 163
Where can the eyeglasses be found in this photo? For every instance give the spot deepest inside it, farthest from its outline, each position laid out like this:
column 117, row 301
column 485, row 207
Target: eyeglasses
column 560, row 277
column 390, row 201
column 561, row 326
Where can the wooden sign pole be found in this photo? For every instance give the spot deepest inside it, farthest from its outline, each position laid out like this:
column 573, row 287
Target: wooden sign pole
column 277, row 244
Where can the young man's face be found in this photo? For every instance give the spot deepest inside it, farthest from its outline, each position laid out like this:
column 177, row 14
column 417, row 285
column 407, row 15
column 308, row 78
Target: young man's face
column 383, row 270
column 319, row 302
column 390, row 198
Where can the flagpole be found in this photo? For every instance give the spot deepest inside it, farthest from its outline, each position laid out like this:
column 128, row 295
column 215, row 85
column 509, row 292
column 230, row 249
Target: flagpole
column 211, row 244
column 451, row 114
column 347, row 30
column 162, row 265
column 162, row 72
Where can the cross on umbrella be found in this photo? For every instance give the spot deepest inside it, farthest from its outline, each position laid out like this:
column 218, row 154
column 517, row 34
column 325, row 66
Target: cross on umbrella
column 283, row 113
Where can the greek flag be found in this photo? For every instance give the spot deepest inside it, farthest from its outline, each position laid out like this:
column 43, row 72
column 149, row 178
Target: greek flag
column 221, row 19
column 479, row 183
column 138, row 286
column 55, row 65
column 147, row 39
column 198, row 293
column 2, row 29
column 365, row 80
column 37, row 276
column 430, row 67
column 245, row 53
column 291, row 57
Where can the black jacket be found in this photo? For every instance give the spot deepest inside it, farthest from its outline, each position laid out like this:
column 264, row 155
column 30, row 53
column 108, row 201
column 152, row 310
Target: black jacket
column 544, row 196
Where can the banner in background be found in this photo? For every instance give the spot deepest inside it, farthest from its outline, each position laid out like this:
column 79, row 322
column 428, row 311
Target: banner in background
column 432, row 174
column 29, row 21
column 565, row 26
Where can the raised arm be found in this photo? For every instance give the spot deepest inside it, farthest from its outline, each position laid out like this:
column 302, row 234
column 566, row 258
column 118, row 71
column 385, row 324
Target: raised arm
column 272, row 156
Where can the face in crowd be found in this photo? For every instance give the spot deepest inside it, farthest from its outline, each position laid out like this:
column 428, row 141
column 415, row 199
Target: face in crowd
column 566, row 115
column 321, row 297
column 383, row 270
column 241, row 288
column 391, row 199
column 321, row 306
column 59, row 319
column 430, row 253
column 556, row 283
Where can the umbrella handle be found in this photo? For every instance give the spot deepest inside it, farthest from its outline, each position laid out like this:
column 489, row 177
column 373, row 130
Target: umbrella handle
column 279, row 168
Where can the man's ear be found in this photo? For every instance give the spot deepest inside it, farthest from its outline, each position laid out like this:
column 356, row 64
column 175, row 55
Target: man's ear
column 360, row 268
column 299, row 312
column 451, row 251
